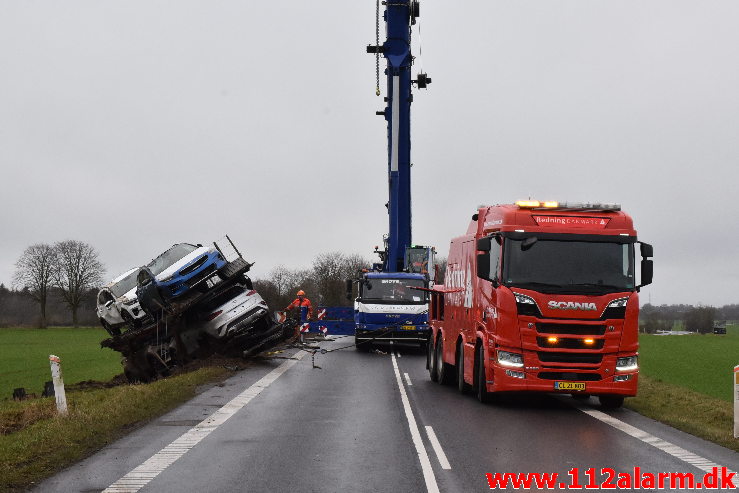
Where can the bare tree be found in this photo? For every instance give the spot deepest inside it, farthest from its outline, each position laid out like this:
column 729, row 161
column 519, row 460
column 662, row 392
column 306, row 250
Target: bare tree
column 34, row 272
column 77, row 271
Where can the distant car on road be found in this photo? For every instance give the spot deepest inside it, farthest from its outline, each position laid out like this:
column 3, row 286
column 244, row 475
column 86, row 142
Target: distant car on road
column 117, row 304
column 175, row 272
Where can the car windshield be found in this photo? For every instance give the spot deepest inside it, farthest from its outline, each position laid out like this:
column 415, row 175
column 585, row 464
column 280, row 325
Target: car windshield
column 393, row 291
column 568, row 266
column 159, row 264
column 124, row 285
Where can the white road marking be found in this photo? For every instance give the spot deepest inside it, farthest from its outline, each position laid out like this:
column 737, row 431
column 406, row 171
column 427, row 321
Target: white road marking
column 423, row 457
column 437, row 448
column 665, row 446
column 408, row 379
column 397, row 354
column 141, row 475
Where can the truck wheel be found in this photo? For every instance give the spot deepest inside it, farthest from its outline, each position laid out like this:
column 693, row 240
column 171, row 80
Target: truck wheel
column 431, row 360
column 461, row 385
column 443, row 370
column 482, row 391
column 611, row 401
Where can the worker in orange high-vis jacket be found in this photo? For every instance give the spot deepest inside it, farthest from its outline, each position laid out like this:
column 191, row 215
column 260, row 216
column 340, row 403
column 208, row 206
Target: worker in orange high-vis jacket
column 301, row 301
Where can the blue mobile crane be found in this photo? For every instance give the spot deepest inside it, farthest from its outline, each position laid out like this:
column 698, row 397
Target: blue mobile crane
column 392, row 301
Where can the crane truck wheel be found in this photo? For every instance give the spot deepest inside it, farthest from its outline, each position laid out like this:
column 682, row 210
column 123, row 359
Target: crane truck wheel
column 443, row 370
column 611, row 401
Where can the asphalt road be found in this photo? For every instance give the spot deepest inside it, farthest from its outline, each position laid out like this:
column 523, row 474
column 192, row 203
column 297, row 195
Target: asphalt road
column 365, row 422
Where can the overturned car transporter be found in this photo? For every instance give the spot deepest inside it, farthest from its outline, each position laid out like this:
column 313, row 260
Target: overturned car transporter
column 217, row 311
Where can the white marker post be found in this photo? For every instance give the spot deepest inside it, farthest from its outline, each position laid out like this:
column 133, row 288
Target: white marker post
column 736, row 402
column 56, row 377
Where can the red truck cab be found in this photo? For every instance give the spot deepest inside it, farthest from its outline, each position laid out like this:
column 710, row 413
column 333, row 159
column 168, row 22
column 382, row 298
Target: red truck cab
column 541, row 297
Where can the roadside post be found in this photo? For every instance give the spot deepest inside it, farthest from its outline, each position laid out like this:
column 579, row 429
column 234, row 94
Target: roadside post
column 736, row 402
column 56, row 377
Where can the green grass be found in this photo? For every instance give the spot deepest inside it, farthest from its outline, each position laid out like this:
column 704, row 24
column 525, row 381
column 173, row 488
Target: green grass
column 24, row 357
column 47, row 443
column 702, row 363
column 692, row 412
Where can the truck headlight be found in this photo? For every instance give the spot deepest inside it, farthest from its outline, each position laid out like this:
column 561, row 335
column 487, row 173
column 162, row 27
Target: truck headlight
column 526, row 305
column 628, row 363
column 510, row 359
column 619, row 303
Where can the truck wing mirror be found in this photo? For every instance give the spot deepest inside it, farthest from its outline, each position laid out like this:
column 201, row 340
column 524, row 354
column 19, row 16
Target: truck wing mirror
column 647, row 272
column 483, row 244
column 483, row 265
column 646, row 250
column 349, row 283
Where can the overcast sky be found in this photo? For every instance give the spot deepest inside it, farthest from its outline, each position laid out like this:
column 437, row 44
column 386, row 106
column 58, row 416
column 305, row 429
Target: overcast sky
column 135, row 125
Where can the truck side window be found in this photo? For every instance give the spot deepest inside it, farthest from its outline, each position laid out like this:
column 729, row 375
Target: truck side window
column 495, row 251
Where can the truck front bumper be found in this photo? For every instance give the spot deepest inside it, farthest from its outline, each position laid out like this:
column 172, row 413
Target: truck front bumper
column 411, row 335
column 560, row 381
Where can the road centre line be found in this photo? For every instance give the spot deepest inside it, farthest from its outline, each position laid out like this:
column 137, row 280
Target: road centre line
column 437, row 448
column 423, row 457
column 663, row 445
column 151, row 468
column 408, row 379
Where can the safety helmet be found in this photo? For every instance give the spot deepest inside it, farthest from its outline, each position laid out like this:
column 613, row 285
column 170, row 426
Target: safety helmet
column 301, row 293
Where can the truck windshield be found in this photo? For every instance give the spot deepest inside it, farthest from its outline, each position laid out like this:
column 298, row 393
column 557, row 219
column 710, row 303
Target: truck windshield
column 159, row 264
column 393, row 291
column 124, row 285
column 568, row 266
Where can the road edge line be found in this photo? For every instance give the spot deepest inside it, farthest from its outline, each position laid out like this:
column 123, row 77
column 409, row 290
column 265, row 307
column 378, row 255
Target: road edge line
column 141, row 475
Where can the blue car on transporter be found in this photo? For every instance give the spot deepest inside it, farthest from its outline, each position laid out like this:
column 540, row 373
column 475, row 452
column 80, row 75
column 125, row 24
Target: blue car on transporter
column 175, row 272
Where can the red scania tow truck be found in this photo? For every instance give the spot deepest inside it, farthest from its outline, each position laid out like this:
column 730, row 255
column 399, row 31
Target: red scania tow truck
column 542, row 297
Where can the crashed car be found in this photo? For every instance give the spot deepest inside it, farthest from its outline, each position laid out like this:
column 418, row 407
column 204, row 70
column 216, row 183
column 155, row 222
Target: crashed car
column 117, row 304
column 238, row 318
column 175, row 272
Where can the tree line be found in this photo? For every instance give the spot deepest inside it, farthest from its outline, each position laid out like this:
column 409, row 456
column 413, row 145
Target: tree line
column 68, row 269
column 700, row 319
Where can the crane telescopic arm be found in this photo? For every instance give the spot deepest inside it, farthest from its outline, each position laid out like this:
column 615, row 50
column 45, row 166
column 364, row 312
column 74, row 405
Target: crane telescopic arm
column 399, row 16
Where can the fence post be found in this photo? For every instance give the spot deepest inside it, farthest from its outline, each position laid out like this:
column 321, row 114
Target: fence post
column 736, row 402
column 56, row 377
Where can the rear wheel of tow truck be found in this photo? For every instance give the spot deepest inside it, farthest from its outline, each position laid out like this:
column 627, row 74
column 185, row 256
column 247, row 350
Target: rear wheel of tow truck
column 443, row 370
column 611, row 401
column 431, row 359
column 481, row 388
column 461, row 385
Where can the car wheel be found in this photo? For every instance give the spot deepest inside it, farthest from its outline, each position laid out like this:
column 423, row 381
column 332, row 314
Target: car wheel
column 113, row 331
column 443, row 370
column 611, row 401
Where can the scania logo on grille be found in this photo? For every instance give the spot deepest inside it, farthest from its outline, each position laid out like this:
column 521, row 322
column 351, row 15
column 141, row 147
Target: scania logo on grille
column 572, row 305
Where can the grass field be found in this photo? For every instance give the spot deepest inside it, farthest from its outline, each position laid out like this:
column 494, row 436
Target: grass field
column 24, row 357
column 703, row 363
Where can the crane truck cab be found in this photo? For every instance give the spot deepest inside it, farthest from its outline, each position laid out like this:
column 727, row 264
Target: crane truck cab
column 542, row 297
